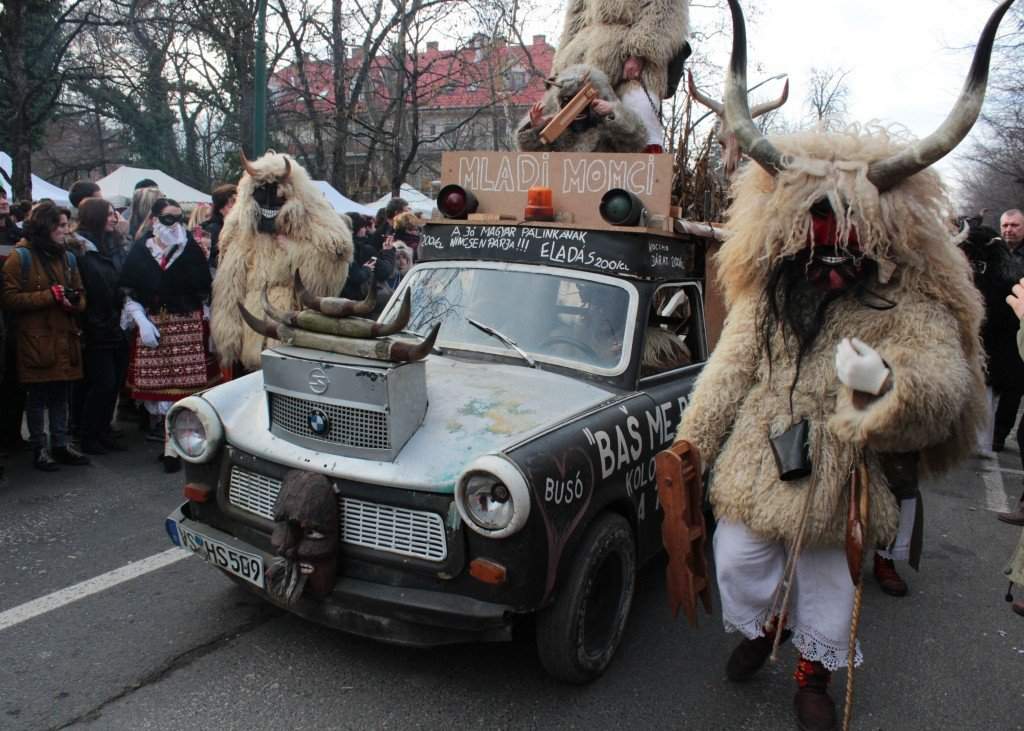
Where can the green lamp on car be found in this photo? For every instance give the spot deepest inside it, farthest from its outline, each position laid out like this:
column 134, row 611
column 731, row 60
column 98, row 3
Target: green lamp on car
column 619, row 207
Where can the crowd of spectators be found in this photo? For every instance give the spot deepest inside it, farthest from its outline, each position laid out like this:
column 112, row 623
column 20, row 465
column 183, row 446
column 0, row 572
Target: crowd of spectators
column 88, row 292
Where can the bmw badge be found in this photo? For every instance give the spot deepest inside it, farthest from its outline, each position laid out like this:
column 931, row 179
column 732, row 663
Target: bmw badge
column 319, row 422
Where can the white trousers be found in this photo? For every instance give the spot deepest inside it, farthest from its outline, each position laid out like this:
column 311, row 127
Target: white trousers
column 900, row 548
column 750, row 568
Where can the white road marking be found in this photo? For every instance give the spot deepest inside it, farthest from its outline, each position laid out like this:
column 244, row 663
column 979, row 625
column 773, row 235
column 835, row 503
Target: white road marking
column 996, row 499
column 58, row 599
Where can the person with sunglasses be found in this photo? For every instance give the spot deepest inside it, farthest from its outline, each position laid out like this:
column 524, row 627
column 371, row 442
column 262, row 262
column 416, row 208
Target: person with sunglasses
column 168, row 284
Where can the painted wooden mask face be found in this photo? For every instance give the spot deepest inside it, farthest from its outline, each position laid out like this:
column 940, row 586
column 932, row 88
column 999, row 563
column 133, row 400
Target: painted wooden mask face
column 305, row 537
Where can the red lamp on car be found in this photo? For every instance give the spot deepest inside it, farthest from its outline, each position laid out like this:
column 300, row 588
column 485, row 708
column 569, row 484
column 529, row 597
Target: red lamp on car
column 454, row 201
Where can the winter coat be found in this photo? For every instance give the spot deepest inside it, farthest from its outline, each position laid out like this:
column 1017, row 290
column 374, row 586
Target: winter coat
column 996, row 270
column 101, row 323
column 360, row 276
column 182, row 288
column 48, row 339
column 737, row 405
column 213, row 227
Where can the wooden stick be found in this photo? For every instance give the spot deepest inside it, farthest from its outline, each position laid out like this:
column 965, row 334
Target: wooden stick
column 568, row 113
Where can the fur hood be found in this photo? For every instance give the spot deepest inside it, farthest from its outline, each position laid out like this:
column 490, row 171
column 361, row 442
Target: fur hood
column 310, row 237
column 907, row 231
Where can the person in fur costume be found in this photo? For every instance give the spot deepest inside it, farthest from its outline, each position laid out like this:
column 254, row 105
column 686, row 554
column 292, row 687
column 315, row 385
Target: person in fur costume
column 280, row 222
column 640, row 47
column 607, row 126
column 852, row 314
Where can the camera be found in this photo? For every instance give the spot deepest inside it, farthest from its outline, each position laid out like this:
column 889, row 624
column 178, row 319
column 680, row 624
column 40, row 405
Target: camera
column 72, row 295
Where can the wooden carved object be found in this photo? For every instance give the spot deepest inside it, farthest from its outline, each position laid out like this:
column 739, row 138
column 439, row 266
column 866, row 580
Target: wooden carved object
column 683, row 532
column 857, row 520
column 576, row 106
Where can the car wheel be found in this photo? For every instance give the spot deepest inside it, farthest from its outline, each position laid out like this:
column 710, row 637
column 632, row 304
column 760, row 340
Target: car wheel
column 578, row 635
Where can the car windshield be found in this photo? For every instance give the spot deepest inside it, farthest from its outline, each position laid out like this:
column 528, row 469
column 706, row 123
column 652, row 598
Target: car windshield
column 551, row 316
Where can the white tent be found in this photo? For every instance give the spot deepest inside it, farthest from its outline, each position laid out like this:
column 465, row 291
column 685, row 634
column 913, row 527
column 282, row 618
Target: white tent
column 40, row 188
column 339, row 202
column 122, row 182
column 420, row 203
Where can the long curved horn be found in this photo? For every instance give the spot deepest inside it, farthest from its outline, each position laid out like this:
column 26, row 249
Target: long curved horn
column 334, row 306
column 408, row 351
column 263, row 327
column 765, row 107
column 885, row 174
column 246, row 165
column 287, row 170
column 288, row 318
column 402, row 318
column 703, row 98
column 737, row 111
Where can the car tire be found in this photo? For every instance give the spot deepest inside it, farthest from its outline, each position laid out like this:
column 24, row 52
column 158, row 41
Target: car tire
column 577, row 635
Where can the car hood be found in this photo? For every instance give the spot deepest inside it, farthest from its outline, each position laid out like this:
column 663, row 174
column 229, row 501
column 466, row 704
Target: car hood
column 473, row 409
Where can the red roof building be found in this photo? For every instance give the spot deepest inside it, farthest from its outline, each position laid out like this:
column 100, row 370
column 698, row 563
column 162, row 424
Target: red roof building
column 467, row 98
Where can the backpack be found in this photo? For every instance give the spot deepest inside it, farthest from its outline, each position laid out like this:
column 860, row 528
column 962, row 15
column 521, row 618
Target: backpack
column 25, row 257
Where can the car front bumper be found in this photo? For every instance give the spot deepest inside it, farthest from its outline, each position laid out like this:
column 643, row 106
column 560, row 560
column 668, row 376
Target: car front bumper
column 394, row 614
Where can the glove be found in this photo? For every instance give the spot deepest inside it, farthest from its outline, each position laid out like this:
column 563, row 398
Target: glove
column 148, row 333
column 860, row 366
column 60, row 298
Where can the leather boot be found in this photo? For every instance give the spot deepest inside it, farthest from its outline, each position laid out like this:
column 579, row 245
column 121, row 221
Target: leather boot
column 751, row 655
column 887, row 578
column 1014, row 518
column 815, row 709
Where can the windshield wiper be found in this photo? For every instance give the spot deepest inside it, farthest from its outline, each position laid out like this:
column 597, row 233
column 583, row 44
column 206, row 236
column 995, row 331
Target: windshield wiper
column 503, row 338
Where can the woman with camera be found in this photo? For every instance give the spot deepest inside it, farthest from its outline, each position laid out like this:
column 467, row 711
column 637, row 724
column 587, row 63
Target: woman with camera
column 105, row 348
column 168, row 282
column 42, row 285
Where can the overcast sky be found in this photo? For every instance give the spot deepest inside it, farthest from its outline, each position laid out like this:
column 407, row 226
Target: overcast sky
column 905, row 56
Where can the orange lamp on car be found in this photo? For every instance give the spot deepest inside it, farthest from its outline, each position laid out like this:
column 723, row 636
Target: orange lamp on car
column 538, row 204
column 454, row 201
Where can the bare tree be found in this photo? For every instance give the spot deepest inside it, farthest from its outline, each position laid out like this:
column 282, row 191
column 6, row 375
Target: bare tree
column 992, row 169
column 827, row 96
column 37, row 59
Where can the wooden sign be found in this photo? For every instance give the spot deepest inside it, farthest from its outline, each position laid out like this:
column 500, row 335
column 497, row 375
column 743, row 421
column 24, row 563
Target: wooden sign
column 499, row 180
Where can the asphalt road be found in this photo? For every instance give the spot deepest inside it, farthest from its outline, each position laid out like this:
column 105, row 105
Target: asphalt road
column 180, row 647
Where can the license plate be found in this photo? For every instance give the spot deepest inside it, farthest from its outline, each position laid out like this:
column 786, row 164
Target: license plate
column 246, row 566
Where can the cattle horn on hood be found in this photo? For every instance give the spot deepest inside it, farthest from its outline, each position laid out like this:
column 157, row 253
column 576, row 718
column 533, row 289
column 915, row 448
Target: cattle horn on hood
column 350, row 327
column 334, row 306
column 264, row 327
column 889, row 172
column 287, row 170
column 246, row 165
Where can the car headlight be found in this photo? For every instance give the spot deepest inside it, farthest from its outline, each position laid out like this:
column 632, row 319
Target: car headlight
column 492, row 497
column 195, row 430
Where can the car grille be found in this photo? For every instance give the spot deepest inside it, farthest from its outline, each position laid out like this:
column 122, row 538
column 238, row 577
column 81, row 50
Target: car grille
column 348, row 425
column 414, row 533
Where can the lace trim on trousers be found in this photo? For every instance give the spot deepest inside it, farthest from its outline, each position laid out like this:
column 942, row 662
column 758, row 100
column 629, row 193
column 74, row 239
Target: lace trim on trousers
column 833, row 655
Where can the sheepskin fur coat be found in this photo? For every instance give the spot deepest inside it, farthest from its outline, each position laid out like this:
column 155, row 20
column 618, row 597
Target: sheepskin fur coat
column 929, row 340
column 621, row 131
column 604, row 33
column 309, row 236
